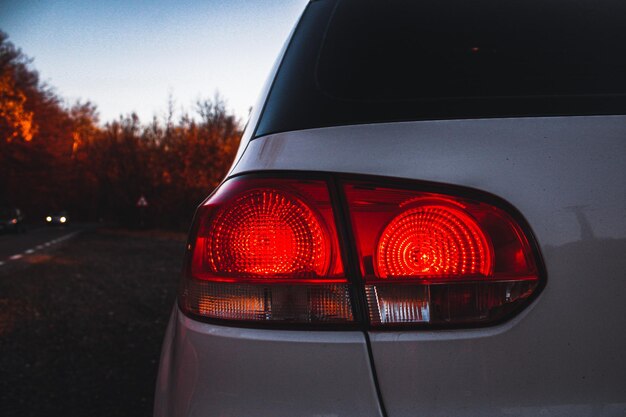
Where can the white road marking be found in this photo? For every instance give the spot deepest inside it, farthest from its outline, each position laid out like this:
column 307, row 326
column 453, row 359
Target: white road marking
column 38, row 247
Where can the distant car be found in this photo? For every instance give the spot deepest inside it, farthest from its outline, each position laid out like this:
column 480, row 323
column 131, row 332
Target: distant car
column 426, row 217
column 60, row 218
column 11, row 219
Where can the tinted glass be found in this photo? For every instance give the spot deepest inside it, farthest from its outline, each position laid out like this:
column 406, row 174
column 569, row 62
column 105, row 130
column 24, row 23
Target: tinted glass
column 363, row 61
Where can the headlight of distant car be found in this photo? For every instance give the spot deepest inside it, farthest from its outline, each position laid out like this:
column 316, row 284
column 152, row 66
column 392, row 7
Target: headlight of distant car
column 63, row 219
column 48, row 219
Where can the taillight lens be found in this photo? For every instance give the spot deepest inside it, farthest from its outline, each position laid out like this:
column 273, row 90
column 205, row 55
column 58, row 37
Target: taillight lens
column 267, row 232
column 437, row 259
column 267, row 250
column 430, row 239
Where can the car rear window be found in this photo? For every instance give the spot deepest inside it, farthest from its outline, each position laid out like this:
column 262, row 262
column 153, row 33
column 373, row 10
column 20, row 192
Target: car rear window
column 366, row 61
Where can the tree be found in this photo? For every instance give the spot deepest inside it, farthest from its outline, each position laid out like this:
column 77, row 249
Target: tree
column 57, row 157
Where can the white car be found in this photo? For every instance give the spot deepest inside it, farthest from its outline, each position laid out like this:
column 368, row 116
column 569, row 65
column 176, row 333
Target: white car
column 426, row 217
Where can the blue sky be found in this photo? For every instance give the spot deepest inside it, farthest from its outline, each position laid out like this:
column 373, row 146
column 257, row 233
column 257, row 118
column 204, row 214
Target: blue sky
column 130, row 55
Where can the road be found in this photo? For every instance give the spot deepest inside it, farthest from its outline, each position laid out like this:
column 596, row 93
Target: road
column 82, row 319
column 16, row 246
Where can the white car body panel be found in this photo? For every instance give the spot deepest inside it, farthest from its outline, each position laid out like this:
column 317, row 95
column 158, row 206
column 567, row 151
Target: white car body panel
column 209, row 370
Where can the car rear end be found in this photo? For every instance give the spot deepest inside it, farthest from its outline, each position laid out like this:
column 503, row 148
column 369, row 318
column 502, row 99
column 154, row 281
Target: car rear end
column 427, row 216
column 11, row 219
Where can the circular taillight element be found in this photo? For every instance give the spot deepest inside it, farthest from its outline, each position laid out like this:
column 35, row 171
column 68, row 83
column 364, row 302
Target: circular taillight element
column 433, row 240
column 268, row 232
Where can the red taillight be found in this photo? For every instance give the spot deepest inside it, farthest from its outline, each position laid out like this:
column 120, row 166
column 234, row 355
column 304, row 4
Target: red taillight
column 432, row 239
column 267, row 250
column 438, row 259
column 267, row 233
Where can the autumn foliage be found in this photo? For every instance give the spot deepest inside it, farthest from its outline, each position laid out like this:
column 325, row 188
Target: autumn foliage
column 55, row 156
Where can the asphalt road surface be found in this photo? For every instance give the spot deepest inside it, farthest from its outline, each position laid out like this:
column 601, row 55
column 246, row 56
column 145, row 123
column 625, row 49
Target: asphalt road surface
column 15, row 246
column 82, row 316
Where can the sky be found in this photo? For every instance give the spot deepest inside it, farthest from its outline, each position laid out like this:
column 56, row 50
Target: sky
column 130, row 56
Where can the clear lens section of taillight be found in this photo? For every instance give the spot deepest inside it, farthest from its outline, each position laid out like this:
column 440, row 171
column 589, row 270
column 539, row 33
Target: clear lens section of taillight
column 437, row 259
column 266, row 250
column 294, row 303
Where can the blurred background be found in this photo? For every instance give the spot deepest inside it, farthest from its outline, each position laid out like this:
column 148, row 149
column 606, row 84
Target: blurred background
column 105, row 102
column 117, row 119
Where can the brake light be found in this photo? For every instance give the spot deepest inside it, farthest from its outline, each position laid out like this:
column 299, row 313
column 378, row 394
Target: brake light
column 266, row 250
column 438, row 259
column 432, row 239
column 268, row 232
